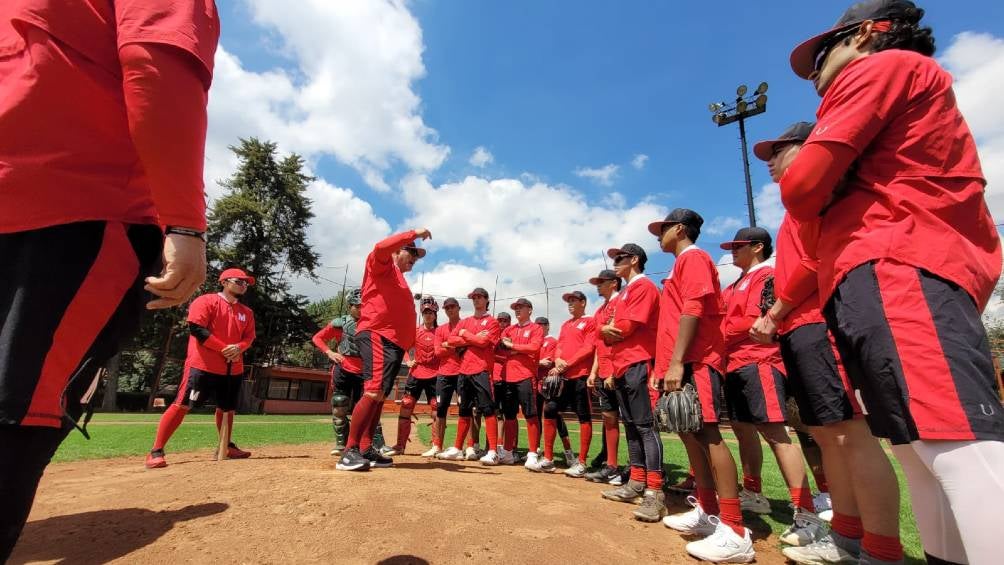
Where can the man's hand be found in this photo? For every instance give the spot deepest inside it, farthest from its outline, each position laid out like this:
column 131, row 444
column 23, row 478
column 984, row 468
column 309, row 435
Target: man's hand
column 554, row 372
column 591, row 381
column 545, row 363
column 184, row 271
column 655, row 383
column 674, row 377
column 560, row 365
column 231, row 352
column 461, row 332
column 409, row 363
column 611, row 334
column 507, row 343
column 335, row 356
column 764, row 330
column 423, row 233
column 609, row 383
column 482, row 333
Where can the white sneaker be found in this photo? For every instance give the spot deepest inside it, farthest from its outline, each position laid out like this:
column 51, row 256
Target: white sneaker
column 490, row 458
column 805, row 529
column 471, row 454
column 506, row 457
column 694, row 521
column 821, row 552
column 451, row 454
column 546, row 465
column 391, row 452
column 723, row 546
column 432, row 452
column 755, row 502
column 576, row 471
column 570, row 458
column 532, row 462
column 823, row 505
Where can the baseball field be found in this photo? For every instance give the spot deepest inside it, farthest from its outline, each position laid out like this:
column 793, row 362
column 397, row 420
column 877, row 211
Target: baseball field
column 288, row 504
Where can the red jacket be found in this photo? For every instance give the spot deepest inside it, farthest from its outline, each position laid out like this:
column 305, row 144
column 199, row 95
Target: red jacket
column 576, row 344
column 521, row 364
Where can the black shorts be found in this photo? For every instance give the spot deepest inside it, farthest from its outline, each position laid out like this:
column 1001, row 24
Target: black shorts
column 498, row 393
column 915, row 348
column 348, row 384
column 607, row 398
column 69, row 294
column 755, row 394
column 574, row 397
column 382, row 360
column 816, row 379
column 415, row 387
column 476, row 391
column 198, row 387
column 446, row 386
column 709, row 383
column 633, row 396
column 519, row 396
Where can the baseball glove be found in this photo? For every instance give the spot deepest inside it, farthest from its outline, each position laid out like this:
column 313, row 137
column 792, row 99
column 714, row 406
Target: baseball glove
column 679, row 411
column 767, row 296
column 552, row 387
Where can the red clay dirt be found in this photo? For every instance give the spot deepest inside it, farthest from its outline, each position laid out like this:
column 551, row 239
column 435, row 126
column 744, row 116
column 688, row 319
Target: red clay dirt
column 288, row 504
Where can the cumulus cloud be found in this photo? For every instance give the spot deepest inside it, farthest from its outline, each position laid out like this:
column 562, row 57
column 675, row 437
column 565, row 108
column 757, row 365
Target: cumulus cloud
column 723, row 225
column 639, row 160
column 768, row 206
column 481, row 157
column 603, row 176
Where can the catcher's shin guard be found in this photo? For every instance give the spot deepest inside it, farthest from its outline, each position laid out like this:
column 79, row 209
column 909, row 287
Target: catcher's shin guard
column 378, row 439
column 340, row 419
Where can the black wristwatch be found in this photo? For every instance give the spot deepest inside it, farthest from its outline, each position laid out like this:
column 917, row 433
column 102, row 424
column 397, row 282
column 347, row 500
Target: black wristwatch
column 185, row 231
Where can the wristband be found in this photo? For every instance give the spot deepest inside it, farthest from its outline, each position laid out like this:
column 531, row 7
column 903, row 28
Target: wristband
column 174, row 230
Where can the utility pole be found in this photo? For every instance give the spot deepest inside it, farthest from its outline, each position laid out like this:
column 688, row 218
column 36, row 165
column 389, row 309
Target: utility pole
column 744, row 107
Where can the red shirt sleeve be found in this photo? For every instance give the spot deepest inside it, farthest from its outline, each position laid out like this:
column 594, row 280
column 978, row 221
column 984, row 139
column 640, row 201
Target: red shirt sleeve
column 695, row 280
column 322, row 338
column 192, row 26
column 383, row 250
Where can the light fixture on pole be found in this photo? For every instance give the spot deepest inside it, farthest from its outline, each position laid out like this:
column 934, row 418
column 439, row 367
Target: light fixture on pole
column 745, row 106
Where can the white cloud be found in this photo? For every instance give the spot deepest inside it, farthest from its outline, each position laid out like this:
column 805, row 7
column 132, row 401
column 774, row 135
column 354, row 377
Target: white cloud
column 603, row 176
column 481, row 157
column 639, row 160
column 723, row 225
column 768, row 206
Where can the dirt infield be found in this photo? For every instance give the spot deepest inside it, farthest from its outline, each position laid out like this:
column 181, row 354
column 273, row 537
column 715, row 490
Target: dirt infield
column 287, row 504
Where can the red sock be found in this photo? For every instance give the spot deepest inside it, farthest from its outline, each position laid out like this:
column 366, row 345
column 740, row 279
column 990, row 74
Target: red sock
column 821, row 483
column 585, row 437
column 708, row 499
column 463, row 426
column 550, row 430
column 638, row 474
column 169, row 422
column 360, row 423
column 511, row 431
column 491, row 426
column 731, row 515
column 886, row 548
column 613, row 434
column 653, row 480
column 848, row 526
column 533, row 434
column 403, row 431
column 367, row 440
column 753, row 484
column 802, row 498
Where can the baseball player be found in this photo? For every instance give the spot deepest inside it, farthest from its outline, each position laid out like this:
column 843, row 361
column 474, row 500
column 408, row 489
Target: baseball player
column 449, row 372
column 601, row 380
column 387, row 328
column 865, row 494
column 908, row 257
column 545, row 363
column 424, row 367
column 690, row 350
column 498, row 372
column 346, row 371
column 523, row 341
column 478, row 334
column 631, row 335
column 221, row 329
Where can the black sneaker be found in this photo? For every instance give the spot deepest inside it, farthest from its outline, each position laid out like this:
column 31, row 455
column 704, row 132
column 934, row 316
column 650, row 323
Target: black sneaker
column 376, row 459
column 604, row 475
column 352, row 460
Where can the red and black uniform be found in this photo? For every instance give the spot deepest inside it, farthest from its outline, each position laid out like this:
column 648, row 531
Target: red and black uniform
column 480, row 336
column 604, row 361
column 576, row 346
column 521, row 366
column 636, row 314
column 754, row 378
column 816, row 376
column 421, row 378
column 449, row 369
column 908, row 253
column 693, row 289
column 498, row 374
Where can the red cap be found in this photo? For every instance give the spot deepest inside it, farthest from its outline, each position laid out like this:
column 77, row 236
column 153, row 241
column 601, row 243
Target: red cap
column 236, row 274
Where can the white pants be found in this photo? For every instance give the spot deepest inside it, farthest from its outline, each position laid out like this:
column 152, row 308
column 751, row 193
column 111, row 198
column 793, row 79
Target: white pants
column 957, row 491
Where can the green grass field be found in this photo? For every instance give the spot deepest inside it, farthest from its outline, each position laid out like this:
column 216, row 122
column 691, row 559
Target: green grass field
column 130, row 435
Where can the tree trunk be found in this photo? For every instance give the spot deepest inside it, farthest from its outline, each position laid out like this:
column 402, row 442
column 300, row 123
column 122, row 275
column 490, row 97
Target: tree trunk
column 110, row 401
column 158, row 368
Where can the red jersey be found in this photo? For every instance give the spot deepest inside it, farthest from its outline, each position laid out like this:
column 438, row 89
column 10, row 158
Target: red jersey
column 576, row 345
column 67, row 153
column 388, row 308
column 604, row 364
column 790, row 255
column 694, row 279
column 742, row 307
column 426, row 363
column 351, row 363
column 498, row 367
column 547, row 350
column 449, row 360
column 480, row 354
column 527, row 339
column 637, row 302
column 917, row 192
column 227, row 324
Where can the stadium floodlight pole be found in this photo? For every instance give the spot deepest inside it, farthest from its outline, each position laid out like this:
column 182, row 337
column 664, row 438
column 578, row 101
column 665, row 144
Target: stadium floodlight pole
column 744, row 107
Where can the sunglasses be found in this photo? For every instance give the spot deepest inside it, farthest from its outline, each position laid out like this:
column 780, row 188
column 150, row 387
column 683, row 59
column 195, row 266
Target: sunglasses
column 412, row 251
column 238, row 282
column 622, row 257
column 829, row 44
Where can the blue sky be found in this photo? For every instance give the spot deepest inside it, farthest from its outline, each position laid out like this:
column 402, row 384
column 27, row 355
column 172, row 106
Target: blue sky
column 547, row 89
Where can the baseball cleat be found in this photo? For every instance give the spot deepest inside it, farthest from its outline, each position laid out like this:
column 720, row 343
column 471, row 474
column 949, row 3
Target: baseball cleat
column 570, row 458
column 352, row 460
column 393, row 451
column 532, row 462
column 385, row 450
column 694, row 521
column 625, row 493
column 576, row 471
column 546, row 465
column 755, row 502
column 805, row 529
column 377, row 460
column 432, row 452
column 686, row 486
column 824, row 507
column 155, row 459
column 491, row 458
column 724, row 545
column 471, row 454
column 824, row 552
column 234, row 452
column 337, row 450
column 506, row 457
column 653, row 506
column 622, row 477
column 599, row 461
column 451, row 454
column 603, row 475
